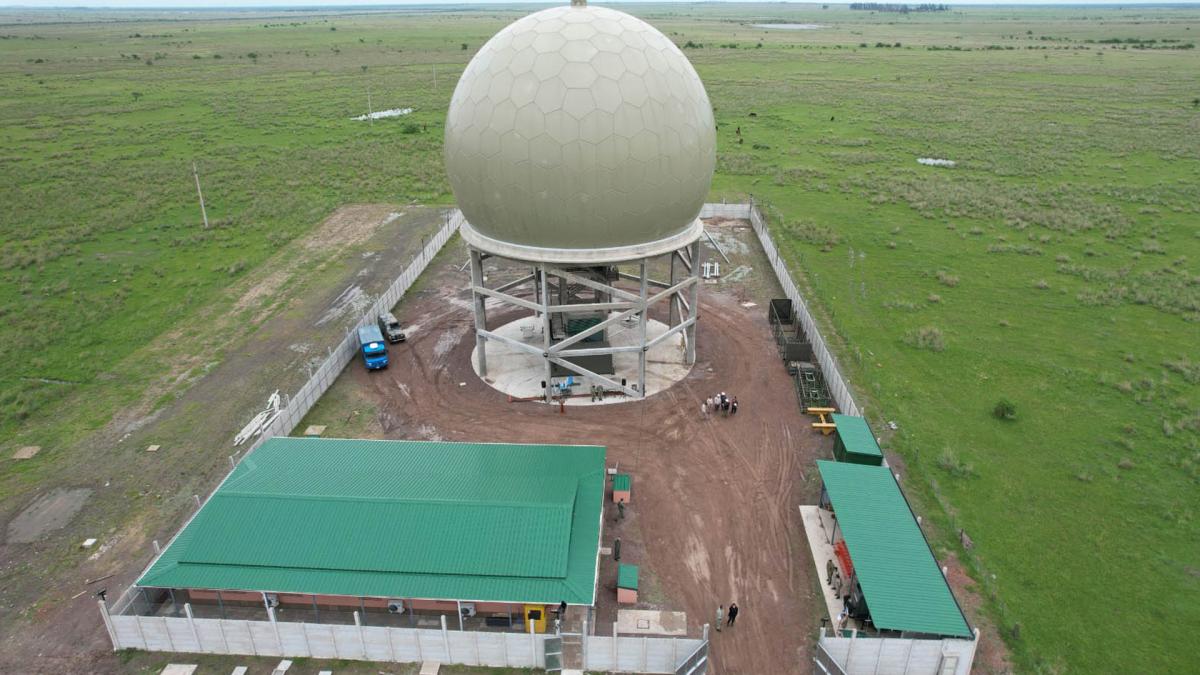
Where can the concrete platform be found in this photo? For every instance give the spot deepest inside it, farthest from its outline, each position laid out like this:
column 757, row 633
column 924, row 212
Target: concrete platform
column 651, row 622
column 817, row 526
column 520, row 374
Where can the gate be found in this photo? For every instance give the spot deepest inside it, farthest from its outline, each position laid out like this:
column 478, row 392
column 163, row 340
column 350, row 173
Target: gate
column 552, row 650
column 696, row 663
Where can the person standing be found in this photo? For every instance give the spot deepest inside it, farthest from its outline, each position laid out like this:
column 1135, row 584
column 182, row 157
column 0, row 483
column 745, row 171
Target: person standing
column 733, row 612
column 703, row 410
column 733, row 406
column 720, row 616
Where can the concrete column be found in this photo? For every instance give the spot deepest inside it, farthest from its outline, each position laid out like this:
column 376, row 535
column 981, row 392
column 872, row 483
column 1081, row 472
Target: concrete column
column 479, row 305
column 642, row 328
column 697, row 252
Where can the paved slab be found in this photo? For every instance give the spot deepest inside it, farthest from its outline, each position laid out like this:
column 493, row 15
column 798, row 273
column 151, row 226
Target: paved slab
column 520, row 374
column 651, row 622
column 818, row 525
column 179, row 669
column 27, row 452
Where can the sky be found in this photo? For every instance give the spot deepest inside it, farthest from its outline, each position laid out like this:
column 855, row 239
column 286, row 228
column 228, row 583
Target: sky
column 359, row 3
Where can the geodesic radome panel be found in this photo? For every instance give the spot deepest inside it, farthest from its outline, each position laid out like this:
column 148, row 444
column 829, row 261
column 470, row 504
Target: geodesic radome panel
column 580, row 128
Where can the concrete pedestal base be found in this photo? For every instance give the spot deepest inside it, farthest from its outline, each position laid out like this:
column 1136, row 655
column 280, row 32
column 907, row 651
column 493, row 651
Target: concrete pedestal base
column 520, row 374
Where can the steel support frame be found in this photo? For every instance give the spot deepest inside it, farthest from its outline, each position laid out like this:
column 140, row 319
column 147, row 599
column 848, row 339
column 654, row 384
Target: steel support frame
column 680, row 292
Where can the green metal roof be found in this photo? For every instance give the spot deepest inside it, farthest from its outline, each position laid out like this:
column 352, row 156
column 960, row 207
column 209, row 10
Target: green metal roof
column 622, row 482
column 627, row 576
column 856, row 435
column 900, row 578
column 398, row 519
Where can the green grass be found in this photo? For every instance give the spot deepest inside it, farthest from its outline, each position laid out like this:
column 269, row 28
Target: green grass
column 1054, row 267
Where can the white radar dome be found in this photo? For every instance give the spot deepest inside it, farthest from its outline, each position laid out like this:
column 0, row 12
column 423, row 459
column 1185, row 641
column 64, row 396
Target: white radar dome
column 580, row 134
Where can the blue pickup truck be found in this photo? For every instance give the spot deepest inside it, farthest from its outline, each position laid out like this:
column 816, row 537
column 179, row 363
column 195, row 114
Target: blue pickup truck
column 374, row 351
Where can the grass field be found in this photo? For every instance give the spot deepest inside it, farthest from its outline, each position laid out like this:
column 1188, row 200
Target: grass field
column 1053, row 267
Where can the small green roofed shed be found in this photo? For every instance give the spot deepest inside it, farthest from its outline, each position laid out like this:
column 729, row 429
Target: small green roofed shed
column 627, row 576
column 398, row 519
column 855, row 443
column 903, row 586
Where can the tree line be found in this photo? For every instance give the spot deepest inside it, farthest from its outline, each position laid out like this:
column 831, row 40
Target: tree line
column 903, row 9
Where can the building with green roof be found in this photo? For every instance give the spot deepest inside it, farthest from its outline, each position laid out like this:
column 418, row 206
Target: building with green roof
column 399, row 524
column 902, row 586
column 855, row 443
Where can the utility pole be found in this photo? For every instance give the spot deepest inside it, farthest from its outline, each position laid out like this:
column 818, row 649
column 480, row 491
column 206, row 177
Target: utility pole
column 203, row 212
column 370, row 110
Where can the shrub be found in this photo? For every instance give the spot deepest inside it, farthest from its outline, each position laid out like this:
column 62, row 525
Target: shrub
column 952, row 465
column 929, row 337
column 947, row 279
column 1005, row 410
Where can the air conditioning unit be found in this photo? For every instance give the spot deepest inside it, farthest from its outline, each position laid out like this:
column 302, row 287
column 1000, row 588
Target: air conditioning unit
column 467, row 608
column 395, row 606
column 272, row 600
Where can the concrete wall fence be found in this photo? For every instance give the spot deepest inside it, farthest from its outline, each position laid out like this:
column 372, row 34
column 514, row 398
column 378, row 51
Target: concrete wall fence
column 303, row 400
column 894, row 656
column 373, row 643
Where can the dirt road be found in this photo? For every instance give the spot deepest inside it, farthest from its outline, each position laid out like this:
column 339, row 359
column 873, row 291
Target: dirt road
column 232, row 355
column 713, row 518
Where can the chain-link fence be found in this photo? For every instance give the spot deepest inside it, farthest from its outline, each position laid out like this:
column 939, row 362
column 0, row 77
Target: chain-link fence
column 838, row 387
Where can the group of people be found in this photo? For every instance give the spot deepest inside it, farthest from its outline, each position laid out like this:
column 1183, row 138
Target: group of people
column 721, row 403
column 729, row 616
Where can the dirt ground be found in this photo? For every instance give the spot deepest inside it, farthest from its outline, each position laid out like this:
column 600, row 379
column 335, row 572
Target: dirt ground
column 232, row 356
column 713, row 518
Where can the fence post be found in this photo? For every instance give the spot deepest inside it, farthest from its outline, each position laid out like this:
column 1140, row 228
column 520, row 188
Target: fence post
column 108, row 625
column 141, row 633
column 532, row 644
column 187, row 610
column 584, row 640
column 362, row 640
column 645, row 649
column 616, row 653
column 391, row 643
column 250, row 635
column 224, row 640
column 446, row 638
column 275, row 626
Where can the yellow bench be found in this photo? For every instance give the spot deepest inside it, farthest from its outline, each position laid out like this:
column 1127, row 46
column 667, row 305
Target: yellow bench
column 824, row 426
